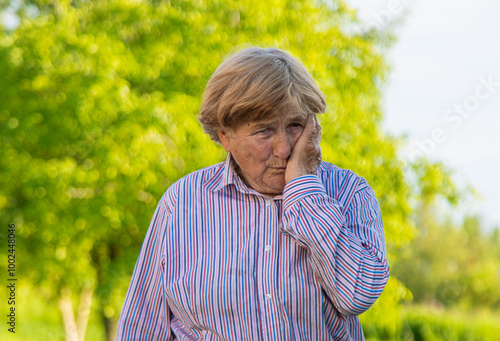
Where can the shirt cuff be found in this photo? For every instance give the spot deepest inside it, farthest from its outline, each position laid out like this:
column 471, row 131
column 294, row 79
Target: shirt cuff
column 300, row 188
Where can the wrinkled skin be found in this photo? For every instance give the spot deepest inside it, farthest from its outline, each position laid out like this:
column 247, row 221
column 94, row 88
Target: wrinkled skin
column 270, row 153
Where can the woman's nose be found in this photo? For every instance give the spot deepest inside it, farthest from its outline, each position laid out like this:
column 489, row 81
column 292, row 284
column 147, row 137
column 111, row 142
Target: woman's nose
column 283, row 145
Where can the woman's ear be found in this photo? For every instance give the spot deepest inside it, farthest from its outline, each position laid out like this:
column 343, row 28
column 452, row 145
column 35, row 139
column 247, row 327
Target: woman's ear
column 225, row 139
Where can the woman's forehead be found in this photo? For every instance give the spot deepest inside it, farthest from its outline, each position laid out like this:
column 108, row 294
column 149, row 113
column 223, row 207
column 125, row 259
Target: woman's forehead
column 284, row 119
column 283, row 116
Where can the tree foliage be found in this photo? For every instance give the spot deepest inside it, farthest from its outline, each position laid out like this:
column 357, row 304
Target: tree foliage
column 452, row 266
column 98, row 117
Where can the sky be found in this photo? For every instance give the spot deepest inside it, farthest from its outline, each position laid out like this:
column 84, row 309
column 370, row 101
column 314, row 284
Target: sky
column 444, row 89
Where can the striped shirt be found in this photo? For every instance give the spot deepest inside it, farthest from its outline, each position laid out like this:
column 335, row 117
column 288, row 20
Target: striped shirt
column 220, row 261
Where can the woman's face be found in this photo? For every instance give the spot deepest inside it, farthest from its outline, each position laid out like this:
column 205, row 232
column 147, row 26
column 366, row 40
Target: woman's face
column 261, row 150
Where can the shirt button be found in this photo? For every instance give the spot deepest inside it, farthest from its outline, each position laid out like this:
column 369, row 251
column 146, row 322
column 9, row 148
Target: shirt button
column 268, row 248
column 268, row 297
column 268, row 203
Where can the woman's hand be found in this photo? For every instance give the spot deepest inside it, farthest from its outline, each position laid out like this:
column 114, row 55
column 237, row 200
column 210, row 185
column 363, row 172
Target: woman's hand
column 306, row 154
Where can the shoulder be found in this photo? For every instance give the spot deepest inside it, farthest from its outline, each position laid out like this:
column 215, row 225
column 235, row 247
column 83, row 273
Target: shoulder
column 341, row 184
column 193, row 184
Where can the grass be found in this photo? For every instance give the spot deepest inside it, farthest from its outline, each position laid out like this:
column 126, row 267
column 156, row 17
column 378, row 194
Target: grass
column 37, row 319
column 424, row 323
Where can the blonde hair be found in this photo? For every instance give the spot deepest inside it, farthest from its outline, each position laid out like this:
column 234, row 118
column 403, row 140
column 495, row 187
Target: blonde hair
column 257, row 83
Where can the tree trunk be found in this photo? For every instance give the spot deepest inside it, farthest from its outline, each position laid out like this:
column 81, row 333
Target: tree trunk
column 84, row 311
column 66, row 308
column 110, row 326
column 75, row 331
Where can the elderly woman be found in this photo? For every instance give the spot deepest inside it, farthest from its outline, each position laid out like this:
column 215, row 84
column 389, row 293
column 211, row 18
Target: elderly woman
column 273, row 243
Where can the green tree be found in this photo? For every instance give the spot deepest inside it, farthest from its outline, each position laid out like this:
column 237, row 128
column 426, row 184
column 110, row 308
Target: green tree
column 451, row 266
column 98, row 117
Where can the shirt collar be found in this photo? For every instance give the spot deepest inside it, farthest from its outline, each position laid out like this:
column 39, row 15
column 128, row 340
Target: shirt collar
column 229, row 176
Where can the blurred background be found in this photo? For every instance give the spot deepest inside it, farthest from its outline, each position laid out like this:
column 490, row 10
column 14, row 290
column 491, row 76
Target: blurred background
column 98, row 105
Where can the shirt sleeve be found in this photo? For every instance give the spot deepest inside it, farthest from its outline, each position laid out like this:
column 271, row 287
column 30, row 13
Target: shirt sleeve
column 145, row 314
column 347, row 246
